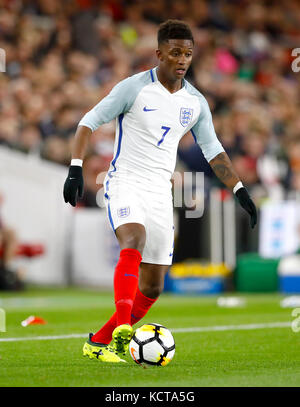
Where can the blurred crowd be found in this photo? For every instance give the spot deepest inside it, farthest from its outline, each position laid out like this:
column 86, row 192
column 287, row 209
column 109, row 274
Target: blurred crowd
column 63, row 57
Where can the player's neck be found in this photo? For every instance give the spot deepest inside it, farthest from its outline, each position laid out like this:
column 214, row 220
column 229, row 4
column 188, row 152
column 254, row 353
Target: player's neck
column 171, row 86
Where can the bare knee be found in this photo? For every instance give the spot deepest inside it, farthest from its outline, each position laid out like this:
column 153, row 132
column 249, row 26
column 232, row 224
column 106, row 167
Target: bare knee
column 133, row 241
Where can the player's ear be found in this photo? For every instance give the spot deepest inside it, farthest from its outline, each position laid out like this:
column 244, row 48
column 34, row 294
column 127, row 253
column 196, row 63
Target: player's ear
column 159, row 54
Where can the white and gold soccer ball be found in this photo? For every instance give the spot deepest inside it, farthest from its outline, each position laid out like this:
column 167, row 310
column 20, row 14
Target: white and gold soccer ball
column 152, row 344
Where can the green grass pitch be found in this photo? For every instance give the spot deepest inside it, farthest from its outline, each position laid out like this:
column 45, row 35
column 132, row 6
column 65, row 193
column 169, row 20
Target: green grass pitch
column 225, row 358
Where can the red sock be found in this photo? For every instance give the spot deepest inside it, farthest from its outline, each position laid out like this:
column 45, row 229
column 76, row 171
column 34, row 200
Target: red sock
column 126, row 283
column 105, row 333
column 141, row 306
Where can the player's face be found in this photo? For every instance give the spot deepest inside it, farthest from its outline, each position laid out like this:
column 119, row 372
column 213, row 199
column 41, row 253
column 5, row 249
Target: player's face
column 175, row 57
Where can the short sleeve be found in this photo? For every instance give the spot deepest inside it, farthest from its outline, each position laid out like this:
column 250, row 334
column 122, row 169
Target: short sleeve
column 118, row 101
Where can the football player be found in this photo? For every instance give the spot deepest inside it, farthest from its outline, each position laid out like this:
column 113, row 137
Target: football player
column 153, row 110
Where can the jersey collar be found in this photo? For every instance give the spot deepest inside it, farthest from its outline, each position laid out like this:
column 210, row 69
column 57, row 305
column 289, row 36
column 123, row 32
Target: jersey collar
column 155, row 79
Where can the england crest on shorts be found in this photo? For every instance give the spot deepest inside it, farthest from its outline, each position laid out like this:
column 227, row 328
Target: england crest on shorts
column 123, row 212
column 186, row 115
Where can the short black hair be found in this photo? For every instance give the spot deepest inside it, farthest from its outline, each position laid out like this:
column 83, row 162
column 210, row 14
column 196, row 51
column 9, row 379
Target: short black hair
column 174, row 30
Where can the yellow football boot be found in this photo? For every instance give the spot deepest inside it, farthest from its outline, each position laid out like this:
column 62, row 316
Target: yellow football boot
column 100, row 351
column 121, row 336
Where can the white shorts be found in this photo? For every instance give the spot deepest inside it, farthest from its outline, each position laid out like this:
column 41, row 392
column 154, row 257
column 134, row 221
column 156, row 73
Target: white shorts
column 127, row 204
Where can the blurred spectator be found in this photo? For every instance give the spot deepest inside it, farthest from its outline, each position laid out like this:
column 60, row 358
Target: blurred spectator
column 63, row 57
column 9, row 279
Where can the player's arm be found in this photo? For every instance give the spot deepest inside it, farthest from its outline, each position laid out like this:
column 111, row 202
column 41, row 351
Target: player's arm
column 219, row 161
column 224, row 170
column 81, row 142
column 109, row 108
column 222, row 167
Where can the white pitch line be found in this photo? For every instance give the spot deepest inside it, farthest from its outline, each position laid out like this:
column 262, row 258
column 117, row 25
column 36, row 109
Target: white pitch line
column 43, row 338
column 269, row 325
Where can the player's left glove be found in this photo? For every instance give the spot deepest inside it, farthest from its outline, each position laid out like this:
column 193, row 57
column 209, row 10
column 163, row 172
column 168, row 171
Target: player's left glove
column 247, row 203
column 73, row 186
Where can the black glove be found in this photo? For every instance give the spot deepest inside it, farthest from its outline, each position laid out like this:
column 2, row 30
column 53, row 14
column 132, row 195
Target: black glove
column 247, row 203
column 73, row 185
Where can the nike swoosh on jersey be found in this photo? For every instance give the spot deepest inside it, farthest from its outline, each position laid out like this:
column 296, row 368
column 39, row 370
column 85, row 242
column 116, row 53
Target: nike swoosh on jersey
column 148, row 110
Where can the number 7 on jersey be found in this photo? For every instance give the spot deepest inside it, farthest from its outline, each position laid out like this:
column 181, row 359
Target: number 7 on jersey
column 163, row 136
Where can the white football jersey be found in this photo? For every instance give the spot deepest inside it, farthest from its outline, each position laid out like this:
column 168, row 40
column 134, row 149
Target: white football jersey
column 150, row 124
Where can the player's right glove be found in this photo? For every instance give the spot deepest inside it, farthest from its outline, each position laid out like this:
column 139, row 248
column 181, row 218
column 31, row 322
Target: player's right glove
column 247, row 203
column 73, row 185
